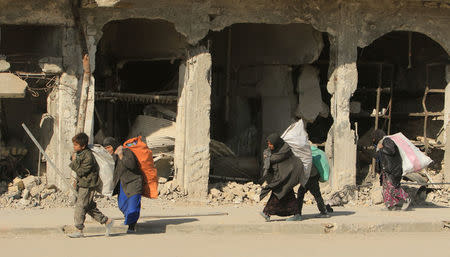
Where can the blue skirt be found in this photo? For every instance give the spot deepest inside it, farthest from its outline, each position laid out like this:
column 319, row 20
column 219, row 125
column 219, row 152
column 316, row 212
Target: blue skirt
column 130, row 207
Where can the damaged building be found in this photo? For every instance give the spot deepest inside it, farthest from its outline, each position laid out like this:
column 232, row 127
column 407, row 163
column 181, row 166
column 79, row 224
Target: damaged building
column 204, row 82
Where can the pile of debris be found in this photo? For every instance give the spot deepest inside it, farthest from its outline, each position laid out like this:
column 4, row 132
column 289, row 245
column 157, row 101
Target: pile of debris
column 169, row 191
column 30, row 193
column 234, row 193
column 372, row 195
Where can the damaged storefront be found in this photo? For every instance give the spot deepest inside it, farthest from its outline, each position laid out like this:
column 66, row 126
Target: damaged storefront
column 31, row 64
column 205, row 82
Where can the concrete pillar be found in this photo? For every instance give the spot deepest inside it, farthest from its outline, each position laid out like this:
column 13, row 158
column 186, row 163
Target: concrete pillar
column 62, row 106
column 192, row 141
column 341, row 145
column 446, row 165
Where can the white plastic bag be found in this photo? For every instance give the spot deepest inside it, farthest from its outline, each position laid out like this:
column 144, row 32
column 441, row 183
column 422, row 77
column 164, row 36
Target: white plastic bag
column 413, row 160
column 106, row 163
column 297, row 138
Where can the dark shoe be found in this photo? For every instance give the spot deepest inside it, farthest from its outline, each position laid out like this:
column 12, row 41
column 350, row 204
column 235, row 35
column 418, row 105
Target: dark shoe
column 266, row 217
column 296, row 217
column 131, row 229
column 78, row 234
column 329, row 209
column 323, row 216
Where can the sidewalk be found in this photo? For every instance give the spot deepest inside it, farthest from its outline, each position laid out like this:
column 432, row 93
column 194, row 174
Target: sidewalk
column 162, row 218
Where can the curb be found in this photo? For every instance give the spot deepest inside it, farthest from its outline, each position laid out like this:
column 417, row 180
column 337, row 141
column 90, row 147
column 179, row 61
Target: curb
column 160, row 227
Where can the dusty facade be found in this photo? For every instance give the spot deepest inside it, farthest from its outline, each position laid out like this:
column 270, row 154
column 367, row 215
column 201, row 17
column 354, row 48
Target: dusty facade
column 349, row 25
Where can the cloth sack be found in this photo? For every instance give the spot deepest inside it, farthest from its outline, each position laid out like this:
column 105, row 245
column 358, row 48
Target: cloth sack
column 297, row 138
column 149, row 172
column 413, row 160
column 106, row 172
column 320, row 161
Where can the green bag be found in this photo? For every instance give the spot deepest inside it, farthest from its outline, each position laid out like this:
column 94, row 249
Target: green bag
column 320, row 161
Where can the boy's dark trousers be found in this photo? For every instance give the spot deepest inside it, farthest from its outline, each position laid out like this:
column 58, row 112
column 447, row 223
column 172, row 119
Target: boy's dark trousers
column 312, row 186
column 85, row 205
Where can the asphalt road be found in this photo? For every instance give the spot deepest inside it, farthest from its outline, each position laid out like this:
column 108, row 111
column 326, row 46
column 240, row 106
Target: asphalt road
column 258, row 245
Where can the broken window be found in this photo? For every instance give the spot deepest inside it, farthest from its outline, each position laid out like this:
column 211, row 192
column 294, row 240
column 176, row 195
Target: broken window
column 137, row 78
column 401, row 82
column 33, row 56
column 261, row 79
column 24, row 46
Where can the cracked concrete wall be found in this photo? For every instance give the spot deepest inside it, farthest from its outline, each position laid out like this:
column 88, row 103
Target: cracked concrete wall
column 350, row 24
column 63, row 104
column 192, row 141
column 446, row 167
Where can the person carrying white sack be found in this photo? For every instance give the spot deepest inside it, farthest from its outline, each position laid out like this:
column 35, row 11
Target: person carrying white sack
column 389, row 166
column 297, row 138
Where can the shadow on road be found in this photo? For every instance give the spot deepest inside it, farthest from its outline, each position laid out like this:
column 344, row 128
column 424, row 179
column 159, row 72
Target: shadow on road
column 313, row 216
column 160, row 226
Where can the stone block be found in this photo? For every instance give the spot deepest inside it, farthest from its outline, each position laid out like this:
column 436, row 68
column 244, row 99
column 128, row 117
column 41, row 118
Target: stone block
column 51, row 65
column 376, row 194
column 4, row 65
column 30, row 182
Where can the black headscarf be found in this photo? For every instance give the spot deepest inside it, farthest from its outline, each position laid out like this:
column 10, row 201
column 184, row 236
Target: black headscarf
column 276, row 141
column 377, row 135
column 110, row 141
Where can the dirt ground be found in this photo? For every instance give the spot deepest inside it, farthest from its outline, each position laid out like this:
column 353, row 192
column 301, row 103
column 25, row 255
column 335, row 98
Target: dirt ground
column 258, row 245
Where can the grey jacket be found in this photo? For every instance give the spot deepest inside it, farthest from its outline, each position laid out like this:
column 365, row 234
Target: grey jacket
column 86, row 169
column 128, row 173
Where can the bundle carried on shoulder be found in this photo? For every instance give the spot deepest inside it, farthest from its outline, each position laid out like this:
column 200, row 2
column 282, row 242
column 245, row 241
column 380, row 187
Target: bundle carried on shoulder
column 106, row 172
column 297, row 139
column 320, row 161
column 145, row 158
column 413, row 160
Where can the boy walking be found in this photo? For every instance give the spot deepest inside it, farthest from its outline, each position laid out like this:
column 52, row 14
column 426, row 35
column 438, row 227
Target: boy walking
column 87, row 170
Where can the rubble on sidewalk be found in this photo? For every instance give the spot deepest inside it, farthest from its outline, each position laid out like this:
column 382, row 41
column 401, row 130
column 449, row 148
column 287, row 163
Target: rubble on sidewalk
column 30, row 193
column 234, row 193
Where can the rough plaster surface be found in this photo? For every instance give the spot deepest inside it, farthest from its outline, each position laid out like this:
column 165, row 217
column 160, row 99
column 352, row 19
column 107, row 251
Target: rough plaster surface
column 292, row 44
column 310, row 97
column 343, row 82
column 192, row 164
column 447, row 127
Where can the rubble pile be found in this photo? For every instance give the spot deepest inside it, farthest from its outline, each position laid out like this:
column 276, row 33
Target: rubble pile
column 372, row 195
column 169, row 191
column 234, row 193
column 30, row 193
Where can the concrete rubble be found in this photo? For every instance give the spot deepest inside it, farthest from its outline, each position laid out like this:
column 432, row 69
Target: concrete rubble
column 4, row 65
column 30, row 193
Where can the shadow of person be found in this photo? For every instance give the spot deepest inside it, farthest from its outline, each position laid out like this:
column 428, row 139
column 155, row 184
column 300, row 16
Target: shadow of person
column 160, row 226
column 332, row 214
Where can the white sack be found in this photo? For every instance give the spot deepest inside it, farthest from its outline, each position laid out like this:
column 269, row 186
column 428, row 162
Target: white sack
column 297, row 138
column 106, row 163
column 413, row 160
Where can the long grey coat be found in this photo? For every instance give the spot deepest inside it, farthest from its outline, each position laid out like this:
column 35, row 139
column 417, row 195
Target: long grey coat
column 285, row 172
